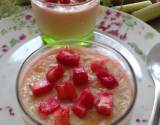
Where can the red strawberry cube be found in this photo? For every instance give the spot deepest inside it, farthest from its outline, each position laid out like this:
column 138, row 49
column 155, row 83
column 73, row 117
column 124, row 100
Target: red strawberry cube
column 68, row 58
column 62, row 116
column 85, row 102
column 64, row 1
column 109, row 81
column 66, row 92
column 48, row 106
column 55, row 74
column 104, row 103
column 80, row 1
column 51, row 1
column 41, row 87
column 101, row 75
column 80, row 76
column 99, row 65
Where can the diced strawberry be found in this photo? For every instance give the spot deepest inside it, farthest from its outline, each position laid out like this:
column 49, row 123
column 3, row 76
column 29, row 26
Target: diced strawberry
column 62, row 116
column 68, row 58
column 80, row 77
column 41, row 87
column 66, row 92
column 109, row 81
column 54, row 74
column 51, row 1
column 85, row 101
column 64, row 1
column 48, row 106
column 99, row 65
column 80, row 1
column 104, row 103
column 100, row 75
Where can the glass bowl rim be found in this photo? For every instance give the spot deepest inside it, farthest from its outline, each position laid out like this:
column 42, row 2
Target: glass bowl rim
column 96, row 43
column 62, row 5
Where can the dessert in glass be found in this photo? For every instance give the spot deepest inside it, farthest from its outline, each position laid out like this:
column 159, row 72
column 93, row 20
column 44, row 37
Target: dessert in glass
column 65, row 19
column 76, row 85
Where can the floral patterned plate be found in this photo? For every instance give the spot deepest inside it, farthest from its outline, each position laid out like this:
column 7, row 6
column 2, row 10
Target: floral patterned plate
column 19, row 37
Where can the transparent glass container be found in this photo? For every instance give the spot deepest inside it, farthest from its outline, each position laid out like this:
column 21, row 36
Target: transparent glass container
column 102, row 48
column 66, row 21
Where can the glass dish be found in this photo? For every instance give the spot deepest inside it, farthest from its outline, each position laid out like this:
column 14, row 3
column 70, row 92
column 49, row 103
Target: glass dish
column 102, row 48
column 66, row 21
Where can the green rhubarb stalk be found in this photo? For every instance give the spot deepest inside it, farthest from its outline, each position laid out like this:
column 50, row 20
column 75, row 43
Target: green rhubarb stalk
column 148, row 13
column 128, row 8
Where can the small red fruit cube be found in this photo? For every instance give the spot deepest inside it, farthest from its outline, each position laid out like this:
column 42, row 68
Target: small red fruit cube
column 101, row 75
column 41, row 87
column 66, row 92
column 99, row 65
column 48, row 106
column 109, row 81
column 80, row 77
column 62, row 116
column 85, row 102
column 68, row 58
column 64, row 1
column 51, row 1
column 80, row 1
column 104, row 103
column 54, row 74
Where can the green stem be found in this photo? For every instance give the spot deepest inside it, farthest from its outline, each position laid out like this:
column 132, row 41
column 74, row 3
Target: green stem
column 121, row 5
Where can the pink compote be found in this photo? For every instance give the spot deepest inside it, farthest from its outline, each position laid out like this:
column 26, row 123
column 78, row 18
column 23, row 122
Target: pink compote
column 85, row 88
column 65, row 19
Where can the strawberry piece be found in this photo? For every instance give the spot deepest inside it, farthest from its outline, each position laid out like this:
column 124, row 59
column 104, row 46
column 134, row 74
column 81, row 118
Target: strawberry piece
column 51, row 1
column 41, row 87
column 64, row 1
column 108, row 80
column 48, row 106
column 80, row 1
column 54, row 74
column 99, row 65
column 85, row 101
column 62, row 116
column 100, row 75
column 104, row 103
column 66, row 92
column 68, row 58
column 80, row 77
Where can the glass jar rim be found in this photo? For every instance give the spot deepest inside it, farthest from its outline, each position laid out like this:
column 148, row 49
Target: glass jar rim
column 96, row 43
column 63, row 5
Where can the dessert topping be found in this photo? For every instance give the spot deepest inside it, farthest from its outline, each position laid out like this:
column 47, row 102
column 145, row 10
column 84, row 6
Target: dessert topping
column 99, row 65
column 62, row 116
column 54, row 74
column 48, row 106
column 64, row 1
column 41, row 87
column 104, row 103
column 51, row 1
column 80, row 76
column 108, row 80
column 66, row 92
column 68, row 58
column 100, row 75
column 85, row 102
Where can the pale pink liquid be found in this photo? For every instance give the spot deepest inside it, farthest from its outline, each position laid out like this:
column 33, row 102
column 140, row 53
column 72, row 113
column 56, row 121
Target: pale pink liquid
column 38, row 69
column 68, row 22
